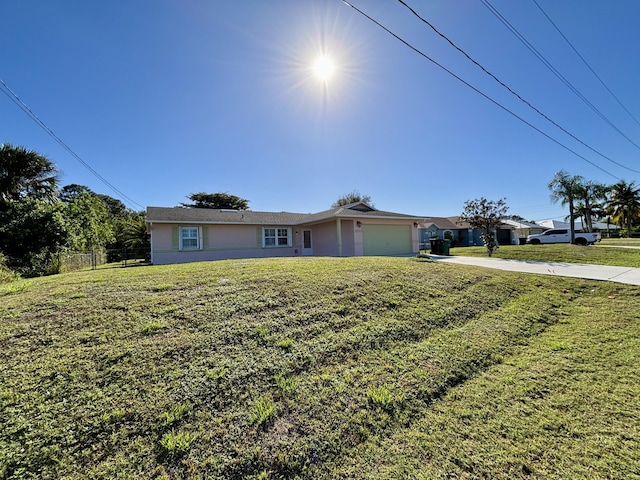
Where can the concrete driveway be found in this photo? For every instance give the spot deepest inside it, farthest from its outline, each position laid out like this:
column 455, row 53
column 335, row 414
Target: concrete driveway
column 628, row 275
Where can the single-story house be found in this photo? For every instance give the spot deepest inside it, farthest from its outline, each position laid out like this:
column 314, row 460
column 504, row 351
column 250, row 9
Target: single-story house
column 579, row 225
column 524, row 229
column 181, row 235
column 460, row 233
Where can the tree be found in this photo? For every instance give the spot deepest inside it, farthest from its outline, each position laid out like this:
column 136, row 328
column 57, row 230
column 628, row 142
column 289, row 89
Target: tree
column 486, row 215
column 216, row 200
column 89, row 222
column 32, row 233
column 32, row 229
column 624, row 203
column 135, row 233
column 25, row 173
column 590, row 194
column 72, row 191
column 353, row 197
column 566, row 188
column 115, row 207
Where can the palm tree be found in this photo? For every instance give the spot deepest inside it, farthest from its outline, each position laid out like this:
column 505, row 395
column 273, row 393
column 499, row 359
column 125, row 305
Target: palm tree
column 590, row 193
column 624, row 203
column 579, row 213
column 136, row 237
column 566, row 189
column 26, row 173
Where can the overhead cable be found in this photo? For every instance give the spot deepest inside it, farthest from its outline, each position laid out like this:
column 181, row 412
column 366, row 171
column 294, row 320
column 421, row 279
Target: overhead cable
column 586, row 63
column 25, row 108
column 495, row 102
column 546, row 117
column 553, row 70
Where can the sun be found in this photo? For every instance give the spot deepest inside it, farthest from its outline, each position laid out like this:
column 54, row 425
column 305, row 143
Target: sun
column 324, row 67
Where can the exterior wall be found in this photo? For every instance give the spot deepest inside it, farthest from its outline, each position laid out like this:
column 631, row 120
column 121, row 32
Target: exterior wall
column 464, row 237
column 325, row 239
column 218, row 243
column 221, row 242
column 348, row 238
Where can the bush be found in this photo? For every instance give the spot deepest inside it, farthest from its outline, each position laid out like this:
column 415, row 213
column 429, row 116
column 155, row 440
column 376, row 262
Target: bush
column 6, row 274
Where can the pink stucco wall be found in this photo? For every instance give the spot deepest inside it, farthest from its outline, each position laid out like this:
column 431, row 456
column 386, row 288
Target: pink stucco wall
column 245, row 241
column 219, row 242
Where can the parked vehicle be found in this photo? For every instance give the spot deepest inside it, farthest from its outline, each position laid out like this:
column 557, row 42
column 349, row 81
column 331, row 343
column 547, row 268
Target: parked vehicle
column 562, row 235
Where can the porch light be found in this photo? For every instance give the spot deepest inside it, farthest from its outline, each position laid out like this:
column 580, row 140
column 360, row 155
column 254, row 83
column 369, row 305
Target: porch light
column 359, row 223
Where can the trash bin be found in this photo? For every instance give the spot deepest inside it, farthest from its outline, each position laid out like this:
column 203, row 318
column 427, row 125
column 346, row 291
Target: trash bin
column 436, row 246
column 445, row 246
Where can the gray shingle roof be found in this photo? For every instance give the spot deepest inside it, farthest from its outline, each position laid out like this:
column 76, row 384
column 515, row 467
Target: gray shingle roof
column 213, row 216
column 446, row 223
column 450, row 223
column 209, row 215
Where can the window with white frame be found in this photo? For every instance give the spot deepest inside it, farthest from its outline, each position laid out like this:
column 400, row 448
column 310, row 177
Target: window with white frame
column 276, row 237
column 190, row 238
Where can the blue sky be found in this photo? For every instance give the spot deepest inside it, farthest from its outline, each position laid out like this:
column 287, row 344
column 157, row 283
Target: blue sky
column 164, row 98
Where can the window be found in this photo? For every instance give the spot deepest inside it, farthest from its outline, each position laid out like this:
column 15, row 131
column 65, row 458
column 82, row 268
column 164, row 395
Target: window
column 189, row 238
column 276, row 237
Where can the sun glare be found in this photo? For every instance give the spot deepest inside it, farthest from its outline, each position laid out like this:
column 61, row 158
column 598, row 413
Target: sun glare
column 324, row 67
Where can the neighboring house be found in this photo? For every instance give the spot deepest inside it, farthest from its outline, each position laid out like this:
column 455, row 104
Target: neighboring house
column 180, row 235
column 459, row 232
column 578, row 225
column 524, row 229
column 547, row 224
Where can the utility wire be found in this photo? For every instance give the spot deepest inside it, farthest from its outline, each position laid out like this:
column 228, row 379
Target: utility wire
column 424, row 20
column 547, row 64
column 25, row 108
column 495, row 102
column 585, row 62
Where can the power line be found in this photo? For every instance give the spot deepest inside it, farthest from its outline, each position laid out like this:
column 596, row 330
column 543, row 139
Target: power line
column 495, row 102
column 553, row 70
column 546, row 117
column 585, row 62
column 25, row 108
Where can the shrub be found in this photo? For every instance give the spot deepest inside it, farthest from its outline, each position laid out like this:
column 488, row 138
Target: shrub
column 6, row 275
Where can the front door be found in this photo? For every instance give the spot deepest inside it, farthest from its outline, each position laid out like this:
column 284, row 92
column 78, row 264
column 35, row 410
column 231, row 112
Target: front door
column 307, row 248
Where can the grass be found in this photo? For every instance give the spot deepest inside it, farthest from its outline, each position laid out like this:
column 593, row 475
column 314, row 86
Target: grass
column 565, row 406
column 620, row 242
column 598, row 254
column 318, row 368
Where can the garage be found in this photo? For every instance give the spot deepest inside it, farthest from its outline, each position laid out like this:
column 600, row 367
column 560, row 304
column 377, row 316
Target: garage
column 386, row 239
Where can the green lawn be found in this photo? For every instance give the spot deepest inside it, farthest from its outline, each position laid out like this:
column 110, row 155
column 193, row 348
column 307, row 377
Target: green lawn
column 318, row 368
column 597, row 254
column 620, row 242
